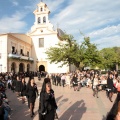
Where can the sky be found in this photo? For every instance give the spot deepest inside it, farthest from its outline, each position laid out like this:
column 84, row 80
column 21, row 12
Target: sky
column 98, row 19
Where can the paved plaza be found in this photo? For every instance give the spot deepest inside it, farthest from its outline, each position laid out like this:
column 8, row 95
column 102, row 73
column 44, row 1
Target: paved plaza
column 73, row 105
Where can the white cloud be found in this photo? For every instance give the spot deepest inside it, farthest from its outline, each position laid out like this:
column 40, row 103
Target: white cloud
column 15, row 3
column 12, row 23
column 99, row 19
column 54, row 4
column 108, row 42
column 107, row 31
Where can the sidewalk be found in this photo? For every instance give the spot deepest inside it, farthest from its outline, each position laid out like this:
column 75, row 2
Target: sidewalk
column 73, row 105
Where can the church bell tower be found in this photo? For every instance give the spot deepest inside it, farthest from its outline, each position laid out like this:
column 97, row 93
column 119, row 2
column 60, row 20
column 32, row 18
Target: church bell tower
column 41, row 14
column 42, row 22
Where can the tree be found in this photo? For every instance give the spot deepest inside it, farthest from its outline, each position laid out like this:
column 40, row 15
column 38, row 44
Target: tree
column 64, row 51
column 117, row 59
column 70, row 52
column 109, row 57
column 91, row 53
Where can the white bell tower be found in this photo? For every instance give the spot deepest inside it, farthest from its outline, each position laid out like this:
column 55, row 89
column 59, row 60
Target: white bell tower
column 41, row 14
column 41, row 18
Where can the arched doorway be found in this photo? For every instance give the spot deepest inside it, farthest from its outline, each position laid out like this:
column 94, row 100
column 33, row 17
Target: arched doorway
column 13, row 66
column 21, row 67
column 41, row 68
column 28, row 67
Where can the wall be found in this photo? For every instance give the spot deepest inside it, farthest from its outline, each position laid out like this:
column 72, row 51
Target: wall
column 18, row 44
column 3, row 51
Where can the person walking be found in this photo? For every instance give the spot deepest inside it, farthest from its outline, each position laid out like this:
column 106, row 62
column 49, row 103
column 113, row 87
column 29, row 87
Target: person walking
column 23, row 90
column 9, row 83
column 18, row 85
column 63, row 78
column 75, row 82
column 31, row 92
column 95, row 85
column 13, row 83
column 68, row 80
column 58, row 78
column 47, row 103
column 110, row 86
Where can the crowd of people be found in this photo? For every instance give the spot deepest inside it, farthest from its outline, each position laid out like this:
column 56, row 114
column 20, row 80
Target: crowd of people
column 96, row 81
column 90, row 79
column 5, row 109
column 16, row 83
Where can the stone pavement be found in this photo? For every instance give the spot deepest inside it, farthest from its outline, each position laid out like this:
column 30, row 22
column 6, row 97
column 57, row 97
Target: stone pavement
column 73, row 105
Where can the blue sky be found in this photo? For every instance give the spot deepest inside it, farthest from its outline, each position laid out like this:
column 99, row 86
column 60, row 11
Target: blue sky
column 98, row 19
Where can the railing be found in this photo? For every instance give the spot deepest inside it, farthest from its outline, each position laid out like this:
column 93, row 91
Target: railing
column 20, row 57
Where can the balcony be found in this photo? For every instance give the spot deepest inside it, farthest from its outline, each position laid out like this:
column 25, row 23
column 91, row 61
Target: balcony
column 20, row 57
column 16, row 56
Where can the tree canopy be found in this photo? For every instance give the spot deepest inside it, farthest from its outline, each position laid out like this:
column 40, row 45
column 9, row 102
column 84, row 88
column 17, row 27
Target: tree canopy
column 68, row 51
column 110, row 57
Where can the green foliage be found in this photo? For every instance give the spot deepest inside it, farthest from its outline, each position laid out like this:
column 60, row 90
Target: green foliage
column 110, row 56
column 91, row 54
column 68, row 51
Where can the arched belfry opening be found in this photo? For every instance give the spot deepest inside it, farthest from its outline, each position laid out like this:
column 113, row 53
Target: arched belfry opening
column 41, row 68
column 44, row 19
column 39, row 20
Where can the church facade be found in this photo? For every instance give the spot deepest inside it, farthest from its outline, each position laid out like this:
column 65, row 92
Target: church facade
column 26, row 52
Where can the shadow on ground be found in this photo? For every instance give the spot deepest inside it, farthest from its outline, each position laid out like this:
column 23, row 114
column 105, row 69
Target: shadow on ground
column 104, row 117
column 20, row 111
column 57, row 99
column 75, row 111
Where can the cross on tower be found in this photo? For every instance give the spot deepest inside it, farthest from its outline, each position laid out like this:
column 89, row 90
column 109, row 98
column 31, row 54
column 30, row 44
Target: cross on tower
column 41, row 0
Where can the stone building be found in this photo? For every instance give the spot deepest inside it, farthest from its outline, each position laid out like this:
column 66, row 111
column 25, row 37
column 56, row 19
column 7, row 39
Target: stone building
column 26, row 52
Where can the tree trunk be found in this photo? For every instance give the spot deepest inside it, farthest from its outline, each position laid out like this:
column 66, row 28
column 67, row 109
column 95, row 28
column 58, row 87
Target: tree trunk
column 116, row 66
column 69, row 67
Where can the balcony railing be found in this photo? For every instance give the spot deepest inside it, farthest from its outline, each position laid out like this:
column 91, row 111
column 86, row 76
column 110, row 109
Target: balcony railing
column 20, row 57
column 14, row 56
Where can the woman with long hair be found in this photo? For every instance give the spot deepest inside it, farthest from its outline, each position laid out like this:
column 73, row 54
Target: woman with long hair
column 47, row 108
column 31, row 92
column 114, row 113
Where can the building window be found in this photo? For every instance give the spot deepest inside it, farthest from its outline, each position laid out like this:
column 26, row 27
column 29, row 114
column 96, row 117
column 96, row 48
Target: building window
column 44, row 19
column 41, row 42
column 13, row 50
column 21, row 52
column 27, row 54
column 39, row 20
column 0, row 55
column 41, row 9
